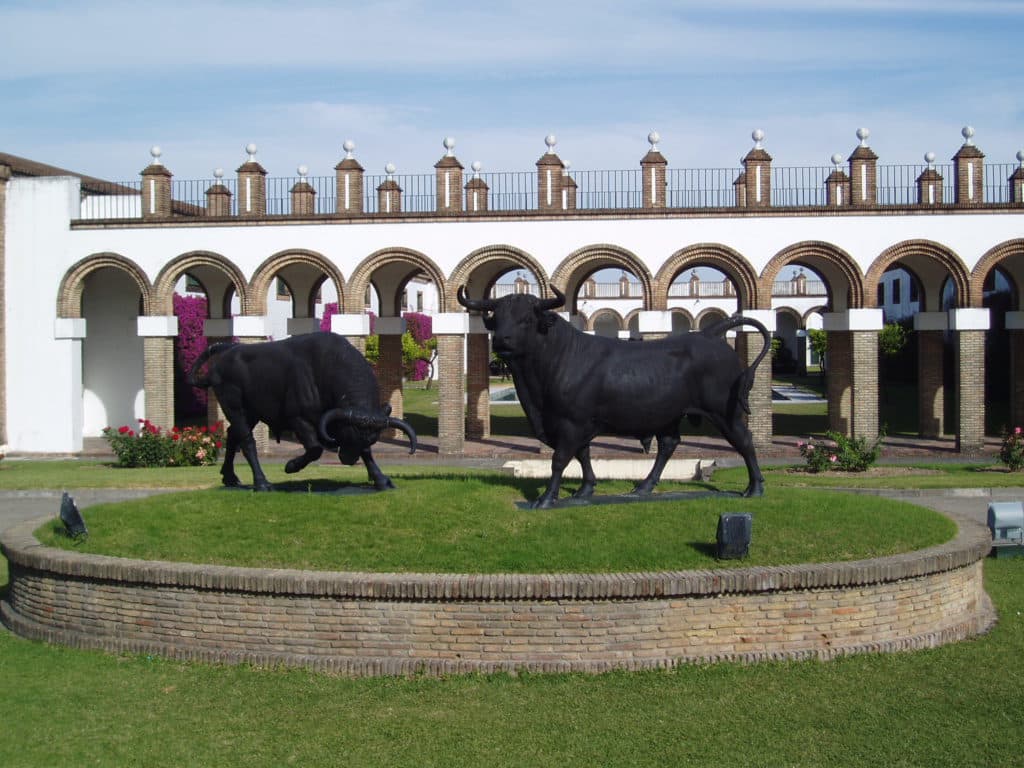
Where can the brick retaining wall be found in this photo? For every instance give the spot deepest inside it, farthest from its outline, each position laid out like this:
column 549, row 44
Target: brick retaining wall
column 366, row 624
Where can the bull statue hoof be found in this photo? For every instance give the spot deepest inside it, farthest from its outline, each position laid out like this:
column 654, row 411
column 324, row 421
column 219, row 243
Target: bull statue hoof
column 754, row 489
column 231, row 481
column 263, row 487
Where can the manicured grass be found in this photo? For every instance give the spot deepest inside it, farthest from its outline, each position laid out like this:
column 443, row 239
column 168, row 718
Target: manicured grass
column 471, row 522
column 962, row 704
column 892, row 477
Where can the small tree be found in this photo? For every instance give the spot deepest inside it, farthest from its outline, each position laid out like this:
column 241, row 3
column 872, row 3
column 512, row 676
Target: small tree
column 818, row 340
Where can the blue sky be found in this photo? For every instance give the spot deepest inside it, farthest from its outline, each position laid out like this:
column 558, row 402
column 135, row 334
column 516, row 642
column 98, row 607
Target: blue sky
column 91, row 86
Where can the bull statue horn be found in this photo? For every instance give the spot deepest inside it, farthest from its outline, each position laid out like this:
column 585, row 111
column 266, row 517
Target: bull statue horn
column 363, row 419
column 481, row 305
column 555, row 303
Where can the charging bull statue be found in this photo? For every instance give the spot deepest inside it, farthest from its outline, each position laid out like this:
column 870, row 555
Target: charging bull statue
column 317, row 385
column 574, row 387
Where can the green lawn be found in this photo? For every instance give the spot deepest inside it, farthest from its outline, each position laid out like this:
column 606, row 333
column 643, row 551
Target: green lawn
column 471, row 522
column 958, row 705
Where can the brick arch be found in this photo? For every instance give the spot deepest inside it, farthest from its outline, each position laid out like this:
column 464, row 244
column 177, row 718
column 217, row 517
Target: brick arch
column 824, row 258
column 362, row 275
column 994, row 257
column 174, row 269
column 603, row 312
column 69, row 294
column 480, row 257
column 721, row 257
column 718, row 312
column 569, row 275
column 921, row 249
column 684, row 313
column 264, row 275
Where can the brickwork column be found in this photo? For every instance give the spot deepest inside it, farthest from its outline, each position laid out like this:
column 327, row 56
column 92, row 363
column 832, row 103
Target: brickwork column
column 863, row 172
column 757, row 169
column 654, row 325
column 252, row 186
column 852, row 366
column 970, row 326
column 156, row 188
column 569, row 189
column 929, row 183
column 549, row 178
column 477, row 191
column 969, row 171
column 303, row 195
column 5, row 175
column 448, row 178
column 837, row 185
column 158, row 333
column 1016, row 181
column 740, row 190
column 389, row 364
column 354, row 327
column 1015, row 327
column 931, row 393
column 349, row 177
column 389, row 194
column 748, row 347
column 450, row 329
column 218, row 197
column 478, row 380
column 654, row 169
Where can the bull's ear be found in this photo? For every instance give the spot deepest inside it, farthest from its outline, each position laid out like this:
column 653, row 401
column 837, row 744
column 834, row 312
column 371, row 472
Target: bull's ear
column 488, row 321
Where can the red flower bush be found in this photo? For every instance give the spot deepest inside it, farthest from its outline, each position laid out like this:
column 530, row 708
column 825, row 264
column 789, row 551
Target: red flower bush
column 156, row 447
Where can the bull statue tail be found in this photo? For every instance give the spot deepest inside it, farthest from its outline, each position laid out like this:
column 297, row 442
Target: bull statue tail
column 746, row 379
column 202, row 382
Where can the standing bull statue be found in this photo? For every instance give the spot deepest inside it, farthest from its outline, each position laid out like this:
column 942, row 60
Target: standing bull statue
column 317, row 385
column 574, row 387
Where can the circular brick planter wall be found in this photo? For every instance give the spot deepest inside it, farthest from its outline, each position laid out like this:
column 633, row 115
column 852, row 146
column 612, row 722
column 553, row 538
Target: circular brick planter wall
column 370, row 623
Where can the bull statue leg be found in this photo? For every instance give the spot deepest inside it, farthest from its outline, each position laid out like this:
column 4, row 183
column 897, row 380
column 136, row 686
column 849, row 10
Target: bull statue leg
column 586, row 489
column 666, row 447
column 306, row 433
column 559, row 461
column 740, row 438
column 380, row 481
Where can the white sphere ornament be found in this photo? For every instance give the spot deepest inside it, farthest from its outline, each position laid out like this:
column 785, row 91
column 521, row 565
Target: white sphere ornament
column 862, row 134
column 348, row 146
column 1020, row 156
column 758, row 136
column 550, row 140
column 929, row 157
column 653, row 138
column 389, row 168
column 448, row 144
column 837, row 160
column 968, row 133
column 476, row 166
column 218, row 173
column 155, row 153
column 303, row 170
column 250, row 149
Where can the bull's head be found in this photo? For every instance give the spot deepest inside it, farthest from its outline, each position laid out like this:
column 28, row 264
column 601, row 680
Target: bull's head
column 352, row 430
column 515, row 319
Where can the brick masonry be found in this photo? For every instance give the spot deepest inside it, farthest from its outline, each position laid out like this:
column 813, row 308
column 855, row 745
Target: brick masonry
column 971, row 383
column 371, row 624
column 451, row 394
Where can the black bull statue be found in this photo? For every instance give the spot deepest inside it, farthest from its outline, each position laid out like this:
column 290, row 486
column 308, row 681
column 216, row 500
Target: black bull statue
column 574, row 387
column 316, row 385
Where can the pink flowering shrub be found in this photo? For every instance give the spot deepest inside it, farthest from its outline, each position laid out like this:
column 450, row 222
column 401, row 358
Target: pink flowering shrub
column 845, row 454
column 418, row 345
column 190, row 344
column 152, row 446
column 1011, row 452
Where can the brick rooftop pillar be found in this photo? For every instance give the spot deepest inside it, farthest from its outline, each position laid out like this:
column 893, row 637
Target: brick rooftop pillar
column 450, row 329
column 749, row 344
column 929, row 183
column 549, row 178
column 158, row 333
column 349, row 177
column 389, row 365
column 1016, row 181
column 303, row 195
column 156, row 188
column 837, row 185
column 931, row 393
column 478, row 380
column 569, row 189
column 477, row 191
column 1015, row 327
column 970, row 326
column 389, row 194
column 653, row 168
column 968, row 171
column 757, row 167
column 448, row 179
column 740, row 189
column 863, row 172
column 218, row 196
column 252, row 186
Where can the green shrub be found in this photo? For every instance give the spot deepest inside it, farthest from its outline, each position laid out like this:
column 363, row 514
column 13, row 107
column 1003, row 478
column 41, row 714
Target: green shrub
column 1011, row 453
column 845, row 454
column 153, row 446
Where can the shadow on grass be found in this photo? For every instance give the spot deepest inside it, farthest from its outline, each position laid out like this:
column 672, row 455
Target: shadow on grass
column 706, row 548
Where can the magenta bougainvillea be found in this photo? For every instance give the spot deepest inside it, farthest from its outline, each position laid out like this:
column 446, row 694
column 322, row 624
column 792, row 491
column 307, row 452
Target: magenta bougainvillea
column 191, row 312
